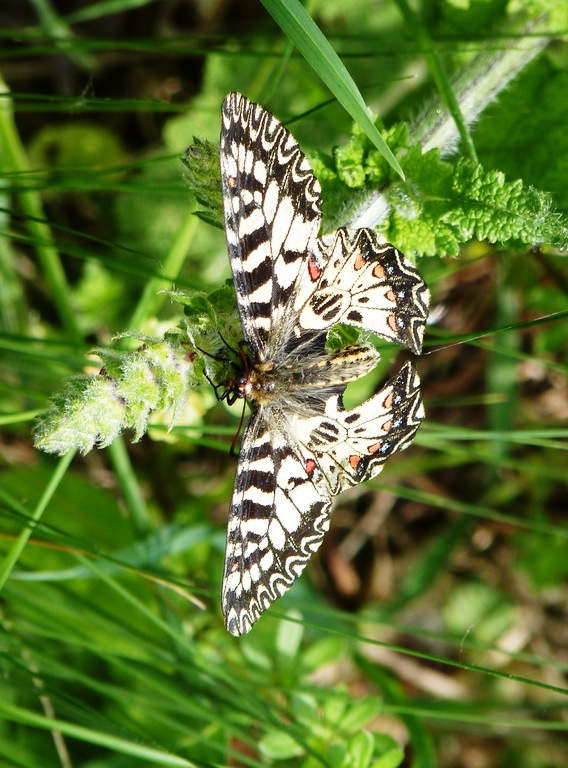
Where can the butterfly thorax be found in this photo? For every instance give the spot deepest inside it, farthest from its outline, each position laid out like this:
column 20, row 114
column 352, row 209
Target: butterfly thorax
column 283, row 380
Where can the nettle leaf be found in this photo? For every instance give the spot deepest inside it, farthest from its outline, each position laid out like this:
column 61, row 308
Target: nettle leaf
column 416, row 223
column 358, row 162
column 349, row 161
column 500, row 211
column 355, row 168
column 441, row 203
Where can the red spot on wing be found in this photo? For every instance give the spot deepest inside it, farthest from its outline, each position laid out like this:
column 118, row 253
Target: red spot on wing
column 390, row 295
column 388, row 401
column 310, row 467
column 313, row 270
column 391, row 321
column 375, row 447
column 359, row 261
column 231, row 182
column 354, row 461
column 379, row 271
column 387, row 426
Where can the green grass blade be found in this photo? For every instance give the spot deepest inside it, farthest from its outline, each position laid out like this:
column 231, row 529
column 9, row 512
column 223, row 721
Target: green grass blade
column 439, row 76
column 298, row 25
column 152, row 297
column 129, row 484
column 123, row 746
column 16, row 160
column 17, row 548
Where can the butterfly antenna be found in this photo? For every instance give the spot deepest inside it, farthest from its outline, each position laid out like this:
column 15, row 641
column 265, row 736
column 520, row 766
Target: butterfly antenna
column 219, row 358
column 237, row 352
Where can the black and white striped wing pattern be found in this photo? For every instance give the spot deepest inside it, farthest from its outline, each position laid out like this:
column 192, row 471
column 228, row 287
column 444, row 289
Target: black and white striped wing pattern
column 301, row 447
column 279, row 514
column 272, row 217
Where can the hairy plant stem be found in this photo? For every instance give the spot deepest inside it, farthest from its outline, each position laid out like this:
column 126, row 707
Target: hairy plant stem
column 475, row 87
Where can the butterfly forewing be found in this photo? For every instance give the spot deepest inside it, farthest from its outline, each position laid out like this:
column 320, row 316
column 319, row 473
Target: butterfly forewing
column 301, row 447
column 272, row 216
column 279, row 515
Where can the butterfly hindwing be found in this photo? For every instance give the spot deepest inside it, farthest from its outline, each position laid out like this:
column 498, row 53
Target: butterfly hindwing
column 352, row 446
column 354, row 277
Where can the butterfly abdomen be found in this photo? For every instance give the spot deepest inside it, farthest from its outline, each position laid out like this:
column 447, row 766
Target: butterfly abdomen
column 277, row 381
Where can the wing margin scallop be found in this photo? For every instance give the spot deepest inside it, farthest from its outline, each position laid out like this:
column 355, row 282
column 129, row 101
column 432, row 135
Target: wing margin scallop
column 279, row 514
column 352, row 446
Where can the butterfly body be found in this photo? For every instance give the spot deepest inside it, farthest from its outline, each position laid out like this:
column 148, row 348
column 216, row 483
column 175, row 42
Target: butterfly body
column 270, row 382
column 301, row 446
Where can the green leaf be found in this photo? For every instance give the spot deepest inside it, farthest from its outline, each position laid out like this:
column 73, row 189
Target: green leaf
column 360, row 713
column 289, row 638
column 349, row 161
column 305, row 708
column 501, row 211
column 440, row 207
column 334, row 708
column 279, row 745
column 322, row 652
column 361, row 748
column 391, row 759
column 441, row 204
column 257, row 656
column 480, row 610
column 337, row 755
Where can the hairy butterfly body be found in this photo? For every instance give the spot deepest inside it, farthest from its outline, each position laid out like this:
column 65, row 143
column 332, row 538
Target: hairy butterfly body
column 301, row 447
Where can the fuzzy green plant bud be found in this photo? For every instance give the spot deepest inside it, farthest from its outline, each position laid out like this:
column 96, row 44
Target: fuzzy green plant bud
column 92, row 410
column 85, row 413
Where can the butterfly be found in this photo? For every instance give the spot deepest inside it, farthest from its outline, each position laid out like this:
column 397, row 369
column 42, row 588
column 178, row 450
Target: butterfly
column 301, row 447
